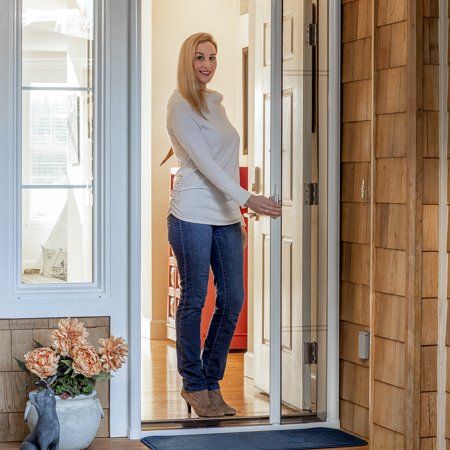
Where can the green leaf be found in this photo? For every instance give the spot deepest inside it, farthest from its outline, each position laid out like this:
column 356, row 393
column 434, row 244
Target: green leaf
column 37, row 344
column 88, row 391
column 102, row 376
column 67, row 362
column 21, row 365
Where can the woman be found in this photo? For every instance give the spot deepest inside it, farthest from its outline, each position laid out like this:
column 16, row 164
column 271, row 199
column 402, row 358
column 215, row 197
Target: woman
column 205, row 227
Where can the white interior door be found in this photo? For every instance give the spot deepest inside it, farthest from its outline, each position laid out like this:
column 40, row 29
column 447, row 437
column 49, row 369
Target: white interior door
column 295, row 248
column 262, row 168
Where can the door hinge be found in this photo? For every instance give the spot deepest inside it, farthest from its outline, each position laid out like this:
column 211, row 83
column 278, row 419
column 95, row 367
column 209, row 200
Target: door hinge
column 311, row 193
column 310, row 353
column 311, row 31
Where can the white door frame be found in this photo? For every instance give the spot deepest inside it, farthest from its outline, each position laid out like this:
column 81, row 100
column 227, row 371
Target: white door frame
column 334, row 189
column 134, row 315
column 332, row 419
column 276, row 93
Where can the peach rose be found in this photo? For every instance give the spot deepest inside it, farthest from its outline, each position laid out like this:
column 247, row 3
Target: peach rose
column 112, row 353
column 86, row 361
column 69, row 334
column 43, row 362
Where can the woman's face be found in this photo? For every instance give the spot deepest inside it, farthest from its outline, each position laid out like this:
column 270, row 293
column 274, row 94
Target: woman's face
column 205, row 62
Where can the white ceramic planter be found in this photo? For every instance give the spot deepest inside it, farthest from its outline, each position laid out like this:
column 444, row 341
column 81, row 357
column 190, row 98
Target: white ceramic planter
column 79, row 420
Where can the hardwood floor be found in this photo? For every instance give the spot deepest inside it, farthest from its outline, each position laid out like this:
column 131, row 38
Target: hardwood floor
column 161, row 386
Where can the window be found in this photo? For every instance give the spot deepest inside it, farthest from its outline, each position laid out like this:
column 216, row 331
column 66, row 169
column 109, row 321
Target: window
column 57, row 170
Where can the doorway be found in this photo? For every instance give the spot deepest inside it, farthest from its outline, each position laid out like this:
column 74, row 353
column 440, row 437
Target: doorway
column 275, row 372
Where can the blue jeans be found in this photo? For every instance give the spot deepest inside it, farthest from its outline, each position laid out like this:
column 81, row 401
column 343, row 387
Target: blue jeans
column 197, row 247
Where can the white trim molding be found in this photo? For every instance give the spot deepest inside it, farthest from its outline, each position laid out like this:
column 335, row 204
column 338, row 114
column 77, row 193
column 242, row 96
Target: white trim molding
column 25, row 293
column 334, row 149
column 134, row 246
column 276, row 88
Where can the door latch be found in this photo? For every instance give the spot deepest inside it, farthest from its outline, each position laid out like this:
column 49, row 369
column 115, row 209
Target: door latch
column 310, row 353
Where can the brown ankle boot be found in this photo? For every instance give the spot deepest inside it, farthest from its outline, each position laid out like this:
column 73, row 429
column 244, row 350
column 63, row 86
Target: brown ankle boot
column 199, row 400
column 216, row 399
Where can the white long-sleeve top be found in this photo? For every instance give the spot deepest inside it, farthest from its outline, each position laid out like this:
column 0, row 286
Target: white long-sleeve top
column 207, row 188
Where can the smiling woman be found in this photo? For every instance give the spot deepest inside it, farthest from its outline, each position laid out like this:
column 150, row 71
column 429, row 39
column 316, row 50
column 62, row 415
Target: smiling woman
column 204, row 224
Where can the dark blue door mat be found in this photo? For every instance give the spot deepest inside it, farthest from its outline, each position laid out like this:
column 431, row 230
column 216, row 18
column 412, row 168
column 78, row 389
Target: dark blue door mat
column 308, row 438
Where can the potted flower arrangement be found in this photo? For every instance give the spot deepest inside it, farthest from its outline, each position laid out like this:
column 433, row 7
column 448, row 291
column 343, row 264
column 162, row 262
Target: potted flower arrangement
column 76, row 366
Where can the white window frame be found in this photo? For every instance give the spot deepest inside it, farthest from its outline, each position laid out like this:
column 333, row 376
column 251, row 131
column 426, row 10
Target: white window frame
column 98, row 285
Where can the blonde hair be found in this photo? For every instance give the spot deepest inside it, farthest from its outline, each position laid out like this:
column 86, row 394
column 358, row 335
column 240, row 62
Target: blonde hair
column 188, row 84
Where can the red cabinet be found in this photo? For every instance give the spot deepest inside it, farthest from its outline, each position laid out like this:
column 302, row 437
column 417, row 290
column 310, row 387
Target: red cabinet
column 240, row 336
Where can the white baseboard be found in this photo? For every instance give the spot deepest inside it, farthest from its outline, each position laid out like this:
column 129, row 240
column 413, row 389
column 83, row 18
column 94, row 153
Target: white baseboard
column 153, row 329
column 249, row 365
column 158, row 329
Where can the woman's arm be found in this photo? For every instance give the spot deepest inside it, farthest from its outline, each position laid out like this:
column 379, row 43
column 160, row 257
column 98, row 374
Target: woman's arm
column 188, row 134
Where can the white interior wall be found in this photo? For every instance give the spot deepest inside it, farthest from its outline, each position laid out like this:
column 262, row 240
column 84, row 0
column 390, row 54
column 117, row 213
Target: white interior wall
column 172, row 22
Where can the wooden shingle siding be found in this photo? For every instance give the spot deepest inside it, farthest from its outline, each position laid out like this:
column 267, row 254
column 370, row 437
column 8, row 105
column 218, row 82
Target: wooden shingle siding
column 447, row 337
column 390, row 11
column 391, row 135
column 390, row 238
column 430, row 220
column 384, row 438
column 390, row 225
column 355, row 214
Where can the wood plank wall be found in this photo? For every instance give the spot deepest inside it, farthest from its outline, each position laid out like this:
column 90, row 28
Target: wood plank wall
column 389, row 228
column 447, row 337
column 355, row 212
column 430, row 196
column 16, row 337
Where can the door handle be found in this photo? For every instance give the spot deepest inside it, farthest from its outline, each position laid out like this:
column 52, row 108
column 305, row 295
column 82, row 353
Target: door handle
column 251, row 215
column 276, row 194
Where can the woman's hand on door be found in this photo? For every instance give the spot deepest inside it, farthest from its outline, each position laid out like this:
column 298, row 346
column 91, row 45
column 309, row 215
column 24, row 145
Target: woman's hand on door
column 264, row 205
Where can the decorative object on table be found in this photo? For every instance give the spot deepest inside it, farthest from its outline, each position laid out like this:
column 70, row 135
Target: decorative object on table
column 54, row 262
column 45, row 434
column 76, row 367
